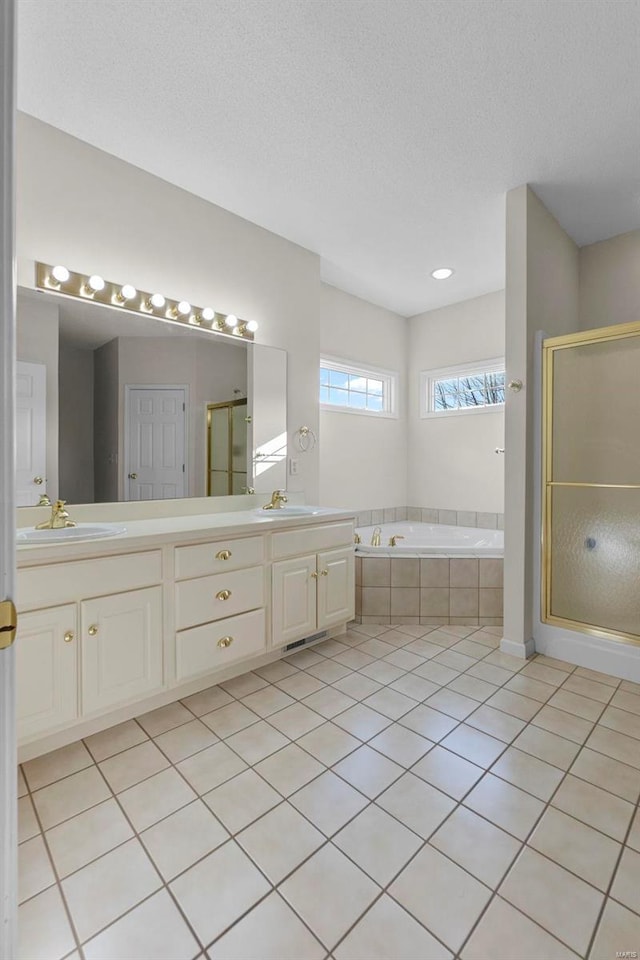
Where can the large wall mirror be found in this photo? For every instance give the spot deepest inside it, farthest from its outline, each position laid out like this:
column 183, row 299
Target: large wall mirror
column 116, row 406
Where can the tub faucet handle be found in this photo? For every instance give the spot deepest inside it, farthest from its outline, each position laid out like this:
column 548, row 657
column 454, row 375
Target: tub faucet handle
column 375, row 537
column 394, row 539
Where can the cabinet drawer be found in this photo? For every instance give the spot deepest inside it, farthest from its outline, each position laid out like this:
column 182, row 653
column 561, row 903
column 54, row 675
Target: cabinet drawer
column 62, row 582
column 205, row 558
column 203, row 600
column 203, row 649
column 291, row 543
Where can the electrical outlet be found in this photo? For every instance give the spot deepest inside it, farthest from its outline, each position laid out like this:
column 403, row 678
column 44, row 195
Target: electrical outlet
column 293, row 467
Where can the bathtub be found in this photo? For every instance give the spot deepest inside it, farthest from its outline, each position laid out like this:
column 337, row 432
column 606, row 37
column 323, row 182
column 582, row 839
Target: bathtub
column 431, row 539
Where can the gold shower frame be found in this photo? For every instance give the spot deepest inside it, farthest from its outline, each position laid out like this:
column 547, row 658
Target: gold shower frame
column 549, row 347
column 229, row 404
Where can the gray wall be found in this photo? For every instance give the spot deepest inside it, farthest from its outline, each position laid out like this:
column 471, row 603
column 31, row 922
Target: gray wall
column 75, row 429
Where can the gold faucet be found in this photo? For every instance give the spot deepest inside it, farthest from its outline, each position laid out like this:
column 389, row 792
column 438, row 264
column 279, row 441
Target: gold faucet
column 59, row 518
column 394, row 539
column 277, row 499
column 375, row 538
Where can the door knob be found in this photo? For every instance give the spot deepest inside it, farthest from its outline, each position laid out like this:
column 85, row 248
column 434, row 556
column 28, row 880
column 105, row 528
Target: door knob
column 93, row 629
column 38, row 480
column 133, row 476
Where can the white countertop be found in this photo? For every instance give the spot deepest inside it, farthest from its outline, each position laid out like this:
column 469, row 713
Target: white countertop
column 144, row 534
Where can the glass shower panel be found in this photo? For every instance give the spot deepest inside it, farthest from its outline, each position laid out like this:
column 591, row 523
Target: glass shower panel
column 595, row 551
column 596, row 412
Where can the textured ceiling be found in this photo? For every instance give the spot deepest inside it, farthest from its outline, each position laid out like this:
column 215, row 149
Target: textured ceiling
column 382, row 134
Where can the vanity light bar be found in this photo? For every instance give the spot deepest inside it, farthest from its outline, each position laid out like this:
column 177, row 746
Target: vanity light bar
column 80, row 286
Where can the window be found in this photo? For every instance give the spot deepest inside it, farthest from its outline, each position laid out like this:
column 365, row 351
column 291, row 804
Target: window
column 347, row 388
column 469, row 388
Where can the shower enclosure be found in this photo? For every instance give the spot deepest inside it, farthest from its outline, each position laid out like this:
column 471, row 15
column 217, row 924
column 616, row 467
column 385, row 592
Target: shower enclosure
column 591, row 474
column 227, row 448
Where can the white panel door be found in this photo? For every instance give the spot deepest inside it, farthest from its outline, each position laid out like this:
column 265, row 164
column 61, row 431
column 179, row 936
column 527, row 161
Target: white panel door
column 336, row 587
column 294, row 599
column 155, row 466
column 46, row 670
column 121, row 647
column 31, row 432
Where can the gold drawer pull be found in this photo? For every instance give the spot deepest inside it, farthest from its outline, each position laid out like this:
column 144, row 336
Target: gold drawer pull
column 324, row 573
column 225, row 642
column 223, row 594
column 69, row 636
column 223, row 554
column 93, row 630
column 314, row 576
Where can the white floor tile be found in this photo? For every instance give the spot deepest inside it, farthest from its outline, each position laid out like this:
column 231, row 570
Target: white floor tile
column 330, row 893
column 506, row 934
column 387, row 932
column 218, row 890
column 87, row 836
column 477, row 845
column 156, row 798
column 280, row 841
column 108, row 887
column 56, row 765
column 154, row 930
column 211, row 767
column 378, row 843
column 289, row 769
column 329, row 743
column 401, row 745
column 44, row 932
column 448, row 772
column 115, row 740
column 271, row 931
column 34, row 869
column 65, row 798
column 577, row 847
column 240, row 801
column 133, row 765
column 185, row 740
column 368, row 771
column 448, row 907
column 417, row 804
column 328, row 802
column 178, row 841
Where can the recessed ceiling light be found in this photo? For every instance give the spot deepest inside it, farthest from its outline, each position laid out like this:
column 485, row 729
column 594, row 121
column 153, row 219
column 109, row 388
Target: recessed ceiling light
column 442, row 273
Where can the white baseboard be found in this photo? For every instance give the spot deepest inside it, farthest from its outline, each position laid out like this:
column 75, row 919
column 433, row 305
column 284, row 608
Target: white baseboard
column 518, row 649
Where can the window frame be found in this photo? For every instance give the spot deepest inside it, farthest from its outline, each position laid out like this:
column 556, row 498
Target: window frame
column 473, row 368
column 389, row 380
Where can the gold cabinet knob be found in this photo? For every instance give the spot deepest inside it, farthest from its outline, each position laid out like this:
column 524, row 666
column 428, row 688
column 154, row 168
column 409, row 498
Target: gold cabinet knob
column 324, row 573
column 223, row 594
column 314, row 576
column 69, row 636
column 93, row 630
column 225, row 642
column 223, row 554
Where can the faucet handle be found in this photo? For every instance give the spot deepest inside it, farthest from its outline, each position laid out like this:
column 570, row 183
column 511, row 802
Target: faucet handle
column 394, row 539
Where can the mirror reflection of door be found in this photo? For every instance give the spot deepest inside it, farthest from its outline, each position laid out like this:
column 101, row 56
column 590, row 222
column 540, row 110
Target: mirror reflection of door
column 31, row 432
column 155, row 467
column 227, row 448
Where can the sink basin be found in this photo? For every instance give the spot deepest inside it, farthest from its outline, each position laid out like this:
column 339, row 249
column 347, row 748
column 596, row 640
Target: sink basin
column 83, row 531
column 288, row 511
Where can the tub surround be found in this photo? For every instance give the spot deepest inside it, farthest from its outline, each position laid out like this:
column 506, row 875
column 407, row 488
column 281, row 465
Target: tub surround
column 453, row 518
column 405, row 538
column 110, row 628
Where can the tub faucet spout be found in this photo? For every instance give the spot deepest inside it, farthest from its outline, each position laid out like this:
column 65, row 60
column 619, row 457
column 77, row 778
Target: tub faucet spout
column 375, row 538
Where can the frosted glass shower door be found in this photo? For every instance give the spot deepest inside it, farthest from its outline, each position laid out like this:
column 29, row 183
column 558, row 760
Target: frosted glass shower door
column 591, row 542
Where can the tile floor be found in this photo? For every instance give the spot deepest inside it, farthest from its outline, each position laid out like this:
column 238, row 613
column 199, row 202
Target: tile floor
column 403, row 793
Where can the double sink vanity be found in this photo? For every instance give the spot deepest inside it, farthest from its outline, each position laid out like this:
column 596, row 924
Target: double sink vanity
column 130, row 611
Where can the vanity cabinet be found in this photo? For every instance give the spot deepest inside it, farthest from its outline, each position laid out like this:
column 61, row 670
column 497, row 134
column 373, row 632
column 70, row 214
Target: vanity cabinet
column 121, row 642
column 313, row 592
column 46, row 670
column 102, row 638
column 220, row 618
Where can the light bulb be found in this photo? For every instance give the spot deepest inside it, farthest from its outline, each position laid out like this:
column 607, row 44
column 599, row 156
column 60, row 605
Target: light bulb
column 156, row 301
column 208, row 314
column 184, row 308
column 127, row 292
column 94, row 284
column 231, row 320
column 60, row 274
column 252, row 326
column 442, row 273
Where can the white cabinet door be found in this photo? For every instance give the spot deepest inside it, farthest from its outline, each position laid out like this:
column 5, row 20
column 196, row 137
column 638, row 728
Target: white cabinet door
column 294, row 599
column 121, row 647
column 336, row 587
column 46, row 670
